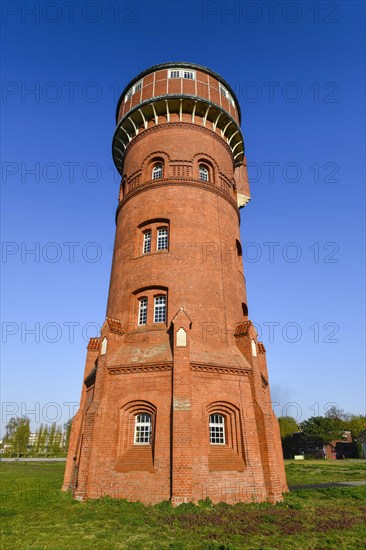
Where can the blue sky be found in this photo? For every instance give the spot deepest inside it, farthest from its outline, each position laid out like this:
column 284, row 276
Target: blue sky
column 298, row 72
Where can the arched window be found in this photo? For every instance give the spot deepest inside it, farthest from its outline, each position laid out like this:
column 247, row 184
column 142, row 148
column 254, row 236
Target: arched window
column 143, row 429
column 217, row 429
column 157, row 171
column 142, row 318
column 146, row 248
column 162, row 239
column 159, row 309
column 203, row 173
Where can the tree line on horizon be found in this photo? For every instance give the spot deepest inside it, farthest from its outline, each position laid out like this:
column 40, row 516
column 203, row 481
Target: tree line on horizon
column 49, row 440
column 53, row 440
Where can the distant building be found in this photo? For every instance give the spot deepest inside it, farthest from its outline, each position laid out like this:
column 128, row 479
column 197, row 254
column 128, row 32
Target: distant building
column 337, row 449
column 362, row 439
column 32, row 439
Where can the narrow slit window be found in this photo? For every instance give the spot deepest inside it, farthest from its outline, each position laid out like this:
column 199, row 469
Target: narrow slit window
column 147, row 242
column 225, row 93
column 142, row 319
column 160, row 309
column 137, row 86
column 217, row 429
column 133, row 90
column 203, row 173
column 157, row 172
column 162, row 240
column 143, row 429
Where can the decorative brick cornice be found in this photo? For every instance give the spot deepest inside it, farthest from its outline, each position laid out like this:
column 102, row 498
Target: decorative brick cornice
column 115, row 326
column 139, row 369
column 220, row 370
column 94, row 344
column 242, row 328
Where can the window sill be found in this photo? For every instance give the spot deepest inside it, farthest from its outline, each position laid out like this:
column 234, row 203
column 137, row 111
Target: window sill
column 147, row 254
column 157, row 327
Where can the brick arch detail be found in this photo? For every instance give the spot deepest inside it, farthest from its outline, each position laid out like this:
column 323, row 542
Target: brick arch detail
column 150, row 159
column 126, row 424
column 139, row 406
column 202, row 157
column 233, row 424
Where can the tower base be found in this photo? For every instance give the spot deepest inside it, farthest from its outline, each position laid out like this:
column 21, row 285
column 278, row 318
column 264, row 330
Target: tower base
column 180, row 463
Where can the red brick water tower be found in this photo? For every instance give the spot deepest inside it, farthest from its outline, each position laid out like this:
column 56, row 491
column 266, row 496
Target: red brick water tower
column 175, row 401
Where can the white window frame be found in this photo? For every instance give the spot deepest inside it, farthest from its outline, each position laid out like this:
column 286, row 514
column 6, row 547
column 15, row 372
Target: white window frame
column 157, row 171
column 162, row 238
column 146, row 247
column 217, row 429
column 160, row 309
column 142, row 315
column 136, row 88
column 202, row 169
column 225, row 93
column 143, row 429
column 188, row 72
column 182, row 73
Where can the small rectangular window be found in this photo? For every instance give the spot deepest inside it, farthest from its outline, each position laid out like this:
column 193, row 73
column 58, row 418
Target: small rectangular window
column 225, row 93
column 162, row 242
column 160, row 309
column 133, row 90
column 188, row 74
column 174, row 74
column 147, row 242
column 142, row 320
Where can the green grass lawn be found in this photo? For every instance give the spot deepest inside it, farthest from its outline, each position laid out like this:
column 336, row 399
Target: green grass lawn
column 306, row 472
column 34, row 514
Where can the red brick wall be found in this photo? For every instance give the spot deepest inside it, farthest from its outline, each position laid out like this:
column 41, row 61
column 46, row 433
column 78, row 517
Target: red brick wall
column 158, row 84
column 144, row 369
